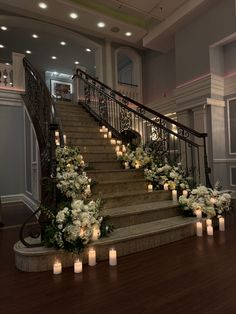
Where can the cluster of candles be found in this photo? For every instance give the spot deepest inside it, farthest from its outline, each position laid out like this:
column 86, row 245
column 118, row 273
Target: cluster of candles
column 57, row 138
column 78, row 265
column 120, row 149
column 209, row 227
column 166, row 188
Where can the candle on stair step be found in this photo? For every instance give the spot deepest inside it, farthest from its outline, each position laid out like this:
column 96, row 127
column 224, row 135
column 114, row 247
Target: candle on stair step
column 185, row 193
column 119, row 154
column 208, row 222
column 118, row 142
column 113, row 141
column 198, row 213
column 126, row 165
column 174, row 195
column 64, row 137
column 123, row 149
column 150, row 187
column 117, row 149
column 105, row 135
column 166, row 186
column 109, row 134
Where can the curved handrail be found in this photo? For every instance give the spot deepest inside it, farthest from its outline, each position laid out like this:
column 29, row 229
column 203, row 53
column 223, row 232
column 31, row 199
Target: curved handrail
column 161, row 116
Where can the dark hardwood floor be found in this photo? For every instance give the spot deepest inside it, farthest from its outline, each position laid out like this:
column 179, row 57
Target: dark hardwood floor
column 195, row 275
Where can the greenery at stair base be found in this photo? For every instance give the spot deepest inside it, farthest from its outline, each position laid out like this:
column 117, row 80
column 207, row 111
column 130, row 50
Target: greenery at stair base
column 76, row 220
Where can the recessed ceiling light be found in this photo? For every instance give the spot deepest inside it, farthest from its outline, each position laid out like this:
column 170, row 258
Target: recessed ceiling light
column 63, row 43
column 35, row 36
column 43, row 5
column 88, row 49
column 128, row 34
column 101, row 24
column 74, row 15
column 28, row 52
column 3, row 28
column 1, row 46
column 76, row 62
column 54, row 57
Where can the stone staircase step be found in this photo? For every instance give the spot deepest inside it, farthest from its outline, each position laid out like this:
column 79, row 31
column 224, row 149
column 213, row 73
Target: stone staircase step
column 104, row 165
column 91, row 135
column 119, row 186
column 140, row 213
column 86, row 141
column 79, row 123
column 135, row 197
column 136, row 238
column 97, row 148
column 116, row 174
column 90, row 157
column 81, row 129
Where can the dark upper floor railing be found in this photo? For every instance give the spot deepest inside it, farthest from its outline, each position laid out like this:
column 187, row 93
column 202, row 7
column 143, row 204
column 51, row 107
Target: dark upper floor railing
column 135, row 123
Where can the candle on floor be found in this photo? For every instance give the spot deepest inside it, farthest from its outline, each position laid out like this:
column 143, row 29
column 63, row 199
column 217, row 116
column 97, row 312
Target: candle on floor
column 57, row 267
column 150, row 187
column 174, row 195
column 208, row 222
column 119, row 142
column 78, row 266
column 166, row 186
column 221, row 224
column 198, row 213
column 112, row 257
column 199, row 229
column 113, row 141
column 210, row 230
column 92, row 257
column 185, row 193
column 109, row 134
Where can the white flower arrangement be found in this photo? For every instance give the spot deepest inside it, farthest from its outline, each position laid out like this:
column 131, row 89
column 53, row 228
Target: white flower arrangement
column 73, row 226
column 137, row 158
column 211, row 202
column 174, row 176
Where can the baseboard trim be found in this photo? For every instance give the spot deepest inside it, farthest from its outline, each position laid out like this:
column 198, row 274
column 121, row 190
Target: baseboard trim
column 7, row 199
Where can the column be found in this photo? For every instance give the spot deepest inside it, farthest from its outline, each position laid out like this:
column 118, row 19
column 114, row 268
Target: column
column 108, row 64
column 18, row 71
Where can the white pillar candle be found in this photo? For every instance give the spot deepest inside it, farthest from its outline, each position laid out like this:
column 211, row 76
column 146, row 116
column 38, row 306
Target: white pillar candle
column 57, row 141
column 112, row 257
column 199, row 229
column 137, row 165
column 212, row 200
column 166, row 186
column 174, row 195
column 208, row 222
column 92, row 257
column 103, row 128
column 221, row 224
column 118, row 142
column 117, row 149
column 95, row 234
column 113, row 141
column 56, row 133
column 198, row 213
column 82, row 163
column 185, row 193
column 126, row 165
column 57, row 268
column 64, row 137
column 78, row 266
column 105, row 135
column 118, row 154
column 123, row 148
column 210, row 230
column 150, row 187
column 109, row 134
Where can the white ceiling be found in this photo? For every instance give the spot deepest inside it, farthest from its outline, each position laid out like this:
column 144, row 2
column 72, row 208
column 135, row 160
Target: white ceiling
column 144, row 18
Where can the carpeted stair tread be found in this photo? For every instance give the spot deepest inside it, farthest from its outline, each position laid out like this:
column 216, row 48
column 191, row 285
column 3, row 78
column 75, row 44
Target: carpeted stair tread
column 143, row 230
column 128, row 193
column 138, row 208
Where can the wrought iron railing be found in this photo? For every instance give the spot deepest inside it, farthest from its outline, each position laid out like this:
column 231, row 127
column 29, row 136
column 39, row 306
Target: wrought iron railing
column 42, row 112
column 137, row 124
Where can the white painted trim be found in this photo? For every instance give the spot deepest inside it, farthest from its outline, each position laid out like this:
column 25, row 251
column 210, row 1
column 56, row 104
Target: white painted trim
column 224, row 160
column 228, row 126
column 215, row 102
column 7, row 199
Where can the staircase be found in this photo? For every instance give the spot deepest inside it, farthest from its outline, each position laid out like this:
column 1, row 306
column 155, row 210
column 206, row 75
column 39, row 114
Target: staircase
column 142, row 219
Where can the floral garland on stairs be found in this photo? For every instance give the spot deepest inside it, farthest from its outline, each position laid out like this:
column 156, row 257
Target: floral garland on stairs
column 77, row 220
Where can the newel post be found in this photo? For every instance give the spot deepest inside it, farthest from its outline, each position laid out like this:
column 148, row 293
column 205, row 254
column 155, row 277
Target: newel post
column 18, row 71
